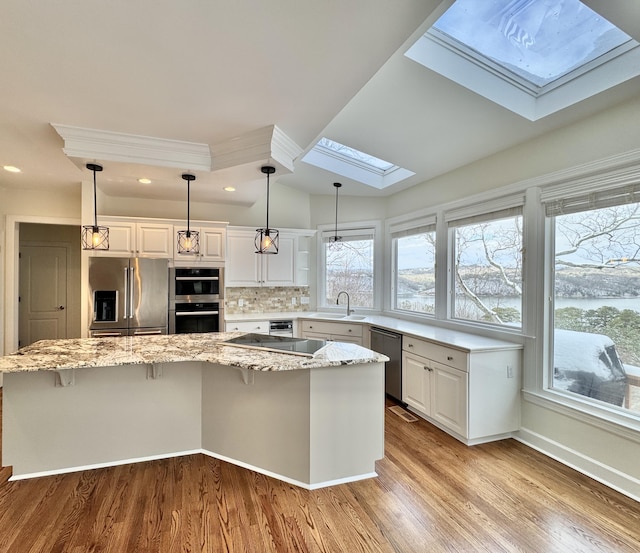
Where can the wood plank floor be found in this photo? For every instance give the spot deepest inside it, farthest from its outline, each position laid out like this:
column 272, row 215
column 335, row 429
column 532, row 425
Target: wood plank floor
column 433, row 494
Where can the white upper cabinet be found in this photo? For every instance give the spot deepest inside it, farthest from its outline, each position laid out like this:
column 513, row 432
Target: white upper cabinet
column 247, row 268
column 154, row 240
column 145, row 239
column 212, row 245
column 158, row 238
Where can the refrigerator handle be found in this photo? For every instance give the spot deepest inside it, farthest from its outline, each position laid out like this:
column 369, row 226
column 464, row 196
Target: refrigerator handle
column 126, row 292
column 131, row 284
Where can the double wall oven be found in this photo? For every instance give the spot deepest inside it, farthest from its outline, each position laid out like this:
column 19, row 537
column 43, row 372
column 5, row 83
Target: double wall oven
column 196, row 299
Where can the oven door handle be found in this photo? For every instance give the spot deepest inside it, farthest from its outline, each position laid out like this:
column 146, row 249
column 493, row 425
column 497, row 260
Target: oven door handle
column 197, row 278
column 195, row 313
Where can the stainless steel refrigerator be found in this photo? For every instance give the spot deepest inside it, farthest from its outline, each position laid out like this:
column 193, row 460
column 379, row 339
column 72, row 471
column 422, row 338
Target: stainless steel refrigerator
column 128, row 296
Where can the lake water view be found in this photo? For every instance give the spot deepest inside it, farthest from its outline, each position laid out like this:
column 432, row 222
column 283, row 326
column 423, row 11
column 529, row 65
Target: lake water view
column 580, row 303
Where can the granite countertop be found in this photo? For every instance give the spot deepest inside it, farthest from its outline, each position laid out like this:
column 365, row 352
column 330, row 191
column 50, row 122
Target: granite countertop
column 461, row 340
column 132, row 350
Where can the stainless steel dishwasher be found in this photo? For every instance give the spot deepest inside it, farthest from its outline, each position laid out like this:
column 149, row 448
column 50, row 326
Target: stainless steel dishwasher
column 390, row 344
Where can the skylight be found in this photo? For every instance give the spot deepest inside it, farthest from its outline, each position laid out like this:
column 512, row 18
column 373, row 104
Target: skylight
column 534, row 46
column 354, row 164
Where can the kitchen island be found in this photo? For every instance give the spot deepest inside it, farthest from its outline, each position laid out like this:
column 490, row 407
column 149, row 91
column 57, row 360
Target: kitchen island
column 86, row 403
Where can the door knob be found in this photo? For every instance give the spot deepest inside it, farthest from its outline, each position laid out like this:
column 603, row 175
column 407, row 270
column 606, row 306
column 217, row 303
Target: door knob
column 61, row 308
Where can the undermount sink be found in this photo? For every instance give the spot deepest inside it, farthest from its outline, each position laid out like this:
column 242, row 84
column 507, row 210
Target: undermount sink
column 338, row 316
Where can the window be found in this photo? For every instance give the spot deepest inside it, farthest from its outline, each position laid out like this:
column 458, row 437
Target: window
column 414, row 283
column 533, row 57
column 596, row 297
column 354, row 164
column 487, row 268
column 349, row 267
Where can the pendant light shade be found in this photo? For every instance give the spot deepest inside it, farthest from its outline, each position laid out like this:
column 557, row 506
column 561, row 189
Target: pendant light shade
column 335, row 237
column 188, row 240
column 93, row 236
column 267, row 239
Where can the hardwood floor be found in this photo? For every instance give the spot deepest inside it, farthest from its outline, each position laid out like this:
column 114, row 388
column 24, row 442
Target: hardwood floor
column 433, row 494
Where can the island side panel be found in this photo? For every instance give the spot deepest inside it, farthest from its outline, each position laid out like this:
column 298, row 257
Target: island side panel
column 263, row 423
column 110, row 415
column 347, row 421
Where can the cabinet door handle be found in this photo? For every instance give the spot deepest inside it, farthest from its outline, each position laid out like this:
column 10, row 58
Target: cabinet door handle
column 449, row 358
column 409, row 345
column 349, row 330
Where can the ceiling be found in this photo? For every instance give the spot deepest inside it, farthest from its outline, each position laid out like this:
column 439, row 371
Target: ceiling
column 207, row 72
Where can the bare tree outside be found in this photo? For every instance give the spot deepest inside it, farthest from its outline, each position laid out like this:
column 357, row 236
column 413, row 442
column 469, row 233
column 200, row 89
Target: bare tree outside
column 349, row 266
column 597, row 264
column 488, row 271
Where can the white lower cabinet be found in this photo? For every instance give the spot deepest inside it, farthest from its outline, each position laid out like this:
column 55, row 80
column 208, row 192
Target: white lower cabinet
column 259, row 327
column 335, row 332
column 473, row 395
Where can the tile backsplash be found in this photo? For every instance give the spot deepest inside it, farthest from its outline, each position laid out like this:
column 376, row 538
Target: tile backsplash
column 268, row 299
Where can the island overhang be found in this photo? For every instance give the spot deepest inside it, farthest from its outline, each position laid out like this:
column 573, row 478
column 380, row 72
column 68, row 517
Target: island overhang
column 310, row 421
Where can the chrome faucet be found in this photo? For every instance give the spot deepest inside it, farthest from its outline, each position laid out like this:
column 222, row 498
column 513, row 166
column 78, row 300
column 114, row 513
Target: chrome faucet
column 348, row 301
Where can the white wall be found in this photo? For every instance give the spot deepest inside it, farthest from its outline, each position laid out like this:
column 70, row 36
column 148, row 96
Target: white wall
column 46, row 203
column 288, row 208
column 605, row 134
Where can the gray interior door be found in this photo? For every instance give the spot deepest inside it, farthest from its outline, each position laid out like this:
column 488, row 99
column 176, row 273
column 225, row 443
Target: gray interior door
column 43, row 294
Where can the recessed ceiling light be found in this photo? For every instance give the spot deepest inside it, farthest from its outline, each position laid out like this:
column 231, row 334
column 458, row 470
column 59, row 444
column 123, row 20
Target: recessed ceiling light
column 229, row 189
column 144, row 181
column 12, row 169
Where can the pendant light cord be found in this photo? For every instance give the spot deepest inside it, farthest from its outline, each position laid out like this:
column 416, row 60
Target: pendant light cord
column 188, row 206
column 267, row 202
column 336, row 227
column 336, row 238
column 95, row 201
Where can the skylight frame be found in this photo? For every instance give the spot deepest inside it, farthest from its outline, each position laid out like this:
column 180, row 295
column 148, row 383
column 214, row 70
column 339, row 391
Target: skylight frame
column 358, row 158
column 443, row 54
column 534, row 90
column 339, row 161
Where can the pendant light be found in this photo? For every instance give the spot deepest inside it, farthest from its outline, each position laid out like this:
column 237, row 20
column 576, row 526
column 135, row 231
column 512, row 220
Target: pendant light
column 266, row 240
column 93, row 236
column 335, row 237
column 188, row 240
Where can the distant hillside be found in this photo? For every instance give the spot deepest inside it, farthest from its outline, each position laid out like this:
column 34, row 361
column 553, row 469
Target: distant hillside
column 620, row 282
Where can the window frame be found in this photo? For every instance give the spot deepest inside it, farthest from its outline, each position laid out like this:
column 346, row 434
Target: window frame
column 410, row 227
column 368, row 227
column 492, row 210
column 550, row 206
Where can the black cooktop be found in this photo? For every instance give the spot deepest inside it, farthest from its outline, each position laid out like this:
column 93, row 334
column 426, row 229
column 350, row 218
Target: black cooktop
column 281, row 344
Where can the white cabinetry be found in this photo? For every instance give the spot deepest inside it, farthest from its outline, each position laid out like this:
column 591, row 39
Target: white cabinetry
column 337, row 332
column 259, row 327
column 212, row 245
column 142, row 239
column 247, row 268
column 157, row 238
column 473, row 394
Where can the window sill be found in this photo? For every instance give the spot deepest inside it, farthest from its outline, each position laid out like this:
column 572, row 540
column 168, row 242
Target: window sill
column 625, row 425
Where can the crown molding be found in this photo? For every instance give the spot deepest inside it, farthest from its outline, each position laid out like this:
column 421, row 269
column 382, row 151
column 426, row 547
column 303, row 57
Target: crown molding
column 81, row 143
column 262, row 145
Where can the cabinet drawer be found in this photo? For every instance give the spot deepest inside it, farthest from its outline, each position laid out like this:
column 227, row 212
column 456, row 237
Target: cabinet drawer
column 342, row 329
column 449, row 356
column 261, row 327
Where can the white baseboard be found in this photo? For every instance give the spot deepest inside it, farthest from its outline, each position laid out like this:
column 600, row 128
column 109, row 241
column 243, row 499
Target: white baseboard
column 192, row 452
column 291, row 480
column 619, row 481
column 67, row 470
